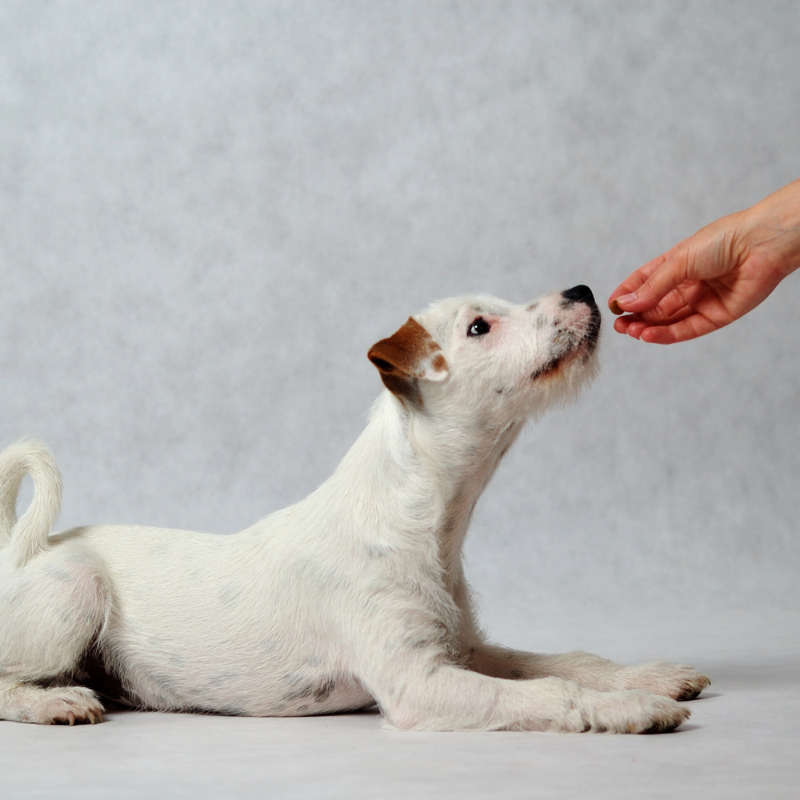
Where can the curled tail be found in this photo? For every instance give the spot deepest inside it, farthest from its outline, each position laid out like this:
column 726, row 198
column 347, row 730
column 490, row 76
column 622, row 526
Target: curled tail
column 28, row 535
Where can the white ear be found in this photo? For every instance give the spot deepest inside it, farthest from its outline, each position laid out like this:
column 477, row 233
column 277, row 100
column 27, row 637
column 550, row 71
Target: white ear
column 407, row 356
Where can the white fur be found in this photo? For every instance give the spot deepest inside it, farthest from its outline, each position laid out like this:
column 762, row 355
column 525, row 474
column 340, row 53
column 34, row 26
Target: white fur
column 355, row 595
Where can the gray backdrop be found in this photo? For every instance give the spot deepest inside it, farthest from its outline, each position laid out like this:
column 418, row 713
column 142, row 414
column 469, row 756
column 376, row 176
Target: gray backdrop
column 210, row 210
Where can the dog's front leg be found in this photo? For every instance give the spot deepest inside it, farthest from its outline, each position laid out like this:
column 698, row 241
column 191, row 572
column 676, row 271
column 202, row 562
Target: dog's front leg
column 678, row 681
column 406, row 667
column 447, row 697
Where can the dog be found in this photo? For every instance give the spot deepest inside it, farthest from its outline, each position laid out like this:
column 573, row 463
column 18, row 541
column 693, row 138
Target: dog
column 355, row 596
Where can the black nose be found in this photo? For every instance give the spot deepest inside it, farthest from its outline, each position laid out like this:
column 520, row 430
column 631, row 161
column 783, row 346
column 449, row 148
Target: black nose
column 579, row 294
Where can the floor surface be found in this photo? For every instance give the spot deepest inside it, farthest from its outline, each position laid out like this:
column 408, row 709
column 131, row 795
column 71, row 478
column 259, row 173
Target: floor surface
column 741, row 742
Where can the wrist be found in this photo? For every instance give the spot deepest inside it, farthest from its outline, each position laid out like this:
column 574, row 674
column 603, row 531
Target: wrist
column 771, row 228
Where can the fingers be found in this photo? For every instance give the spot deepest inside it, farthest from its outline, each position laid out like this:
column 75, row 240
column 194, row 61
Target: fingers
column 712, row 278
column 689, row 328
column 681, row 330
column 656, row 280
column 634, row 281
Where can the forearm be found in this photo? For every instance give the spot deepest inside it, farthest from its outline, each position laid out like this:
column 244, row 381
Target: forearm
column 772, row 228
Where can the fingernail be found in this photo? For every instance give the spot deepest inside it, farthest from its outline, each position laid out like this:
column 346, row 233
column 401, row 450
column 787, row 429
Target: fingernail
column 627, row 299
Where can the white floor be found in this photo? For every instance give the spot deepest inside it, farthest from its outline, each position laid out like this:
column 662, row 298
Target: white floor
column 742, row 741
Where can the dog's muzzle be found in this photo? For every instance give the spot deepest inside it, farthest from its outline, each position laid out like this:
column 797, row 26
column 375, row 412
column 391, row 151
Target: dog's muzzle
column 583, row 294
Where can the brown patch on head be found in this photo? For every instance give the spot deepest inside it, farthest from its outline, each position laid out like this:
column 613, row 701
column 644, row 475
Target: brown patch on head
column 406, row 356
column 404, row 350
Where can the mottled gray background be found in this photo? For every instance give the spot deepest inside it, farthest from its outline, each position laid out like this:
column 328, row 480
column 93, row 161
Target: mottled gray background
column 210, row 210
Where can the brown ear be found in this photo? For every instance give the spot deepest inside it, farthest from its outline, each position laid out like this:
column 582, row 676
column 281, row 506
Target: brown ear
column 407, row 356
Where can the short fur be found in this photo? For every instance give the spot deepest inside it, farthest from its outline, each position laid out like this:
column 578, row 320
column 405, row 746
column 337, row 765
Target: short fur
column 352, row 597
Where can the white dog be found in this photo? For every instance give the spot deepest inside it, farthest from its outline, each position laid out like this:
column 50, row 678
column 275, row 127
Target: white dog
column 352, row 597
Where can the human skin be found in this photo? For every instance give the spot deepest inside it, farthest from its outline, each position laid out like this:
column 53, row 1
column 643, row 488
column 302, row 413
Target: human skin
column 715, row 276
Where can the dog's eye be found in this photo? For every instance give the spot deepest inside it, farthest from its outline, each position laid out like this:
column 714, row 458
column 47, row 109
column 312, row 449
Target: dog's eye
column 478, row 327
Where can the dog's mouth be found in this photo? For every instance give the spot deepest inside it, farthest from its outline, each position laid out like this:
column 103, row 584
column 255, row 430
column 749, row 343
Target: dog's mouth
column 592, row 335
column 570, row 344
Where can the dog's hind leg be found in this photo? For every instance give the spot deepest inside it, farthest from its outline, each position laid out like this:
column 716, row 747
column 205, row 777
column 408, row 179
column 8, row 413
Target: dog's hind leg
column 677, row 681
column 50, row 612
column 48, row 705
column 53, row 599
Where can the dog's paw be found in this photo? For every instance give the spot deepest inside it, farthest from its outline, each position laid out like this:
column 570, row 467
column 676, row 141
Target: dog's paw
column 64, row 705
column 74, row 704
column 633, row 711
column 678, row 681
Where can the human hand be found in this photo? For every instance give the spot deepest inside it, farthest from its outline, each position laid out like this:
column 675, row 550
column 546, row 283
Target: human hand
column 715, row 276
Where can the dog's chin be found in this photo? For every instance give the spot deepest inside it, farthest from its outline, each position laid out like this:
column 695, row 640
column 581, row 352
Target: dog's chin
column 581, row 354
column 579, row 351
column 549, row 369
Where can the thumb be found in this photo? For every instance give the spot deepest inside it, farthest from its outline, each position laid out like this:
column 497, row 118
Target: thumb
column 670, row 273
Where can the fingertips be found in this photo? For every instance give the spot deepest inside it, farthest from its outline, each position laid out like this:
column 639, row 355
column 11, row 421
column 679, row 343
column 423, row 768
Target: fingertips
column 621, row 325
column 629, row 324
column 626, row 289
column 625, row 302
column 657, row 335
column 633, row 282
column 647, row 286
column 635, row 328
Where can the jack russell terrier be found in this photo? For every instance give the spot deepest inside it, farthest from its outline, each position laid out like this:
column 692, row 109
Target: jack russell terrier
column 353, row 597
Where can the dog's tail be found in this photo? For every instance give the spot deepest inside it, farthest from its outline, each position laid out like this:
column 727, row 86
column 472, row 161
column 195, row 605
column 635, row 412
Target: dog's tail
column 28, row 535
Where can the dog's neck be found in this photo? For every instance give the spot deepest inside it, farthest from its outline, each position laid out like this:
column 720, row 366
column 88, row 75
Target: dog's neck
column 424, row 476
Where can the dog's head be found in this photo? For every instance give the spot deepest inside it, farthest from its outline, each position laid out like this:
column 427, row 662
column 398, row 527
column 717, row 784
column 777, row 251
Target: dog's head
column 484, row 358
